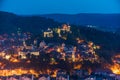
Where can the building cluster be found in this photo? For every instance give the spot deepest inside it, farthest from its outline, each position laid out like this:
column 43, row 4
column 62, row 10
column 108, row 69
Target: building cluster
column 48, row 33
column 61, row 31
column 103, row 75
column 80, row 74
column 19, row 47
column 61, row 75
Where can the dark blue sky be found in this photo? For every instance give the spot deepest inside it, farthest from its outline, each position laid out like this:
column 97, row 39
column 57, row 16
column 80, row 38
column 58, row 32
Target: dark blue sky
column 29, row 7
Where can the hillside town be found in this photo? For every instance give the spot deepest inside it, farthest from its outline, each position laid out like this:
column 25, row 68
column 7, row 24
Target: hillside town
column 23, row 57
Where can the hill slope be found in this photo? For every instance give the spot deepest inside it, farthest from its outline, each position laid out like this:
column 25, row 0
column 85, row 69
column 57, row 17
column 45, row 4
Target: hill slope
column 109, row 42
column 10, row 22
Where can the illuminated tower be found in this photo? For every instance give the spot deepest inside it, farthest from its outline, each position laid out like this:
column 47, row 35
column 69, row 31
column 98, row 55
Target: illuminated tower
column 63, row 46
column 35, row 42
column 59, row 31
column 73, row 56
column 24, row 43
column 68, row 29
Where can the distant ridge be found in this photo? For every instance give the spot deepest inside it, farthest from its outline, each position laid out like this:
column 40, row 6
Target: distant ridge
column 10, row 21
column 102, row 21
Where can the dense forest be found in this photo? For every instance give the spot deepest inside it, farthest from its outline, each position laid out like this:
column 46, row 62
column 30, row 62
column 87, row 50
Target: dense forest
column 10, row 23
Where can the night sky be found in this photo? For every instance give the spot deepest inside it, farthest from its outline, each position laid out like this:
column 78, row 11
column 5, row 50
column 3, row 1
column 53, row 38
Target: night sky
column 29, row 7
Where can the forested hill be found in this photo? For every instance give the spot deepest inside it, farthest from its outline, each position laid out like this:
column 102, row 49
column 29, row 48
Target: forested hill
column 109, row 42
column 10, row 22
column 108, row 22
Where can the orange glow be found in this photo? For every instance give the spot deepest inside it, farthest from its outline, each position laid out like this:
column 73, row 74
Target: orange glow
column 15, row 55
column 14, row 60
column 7, row 57
column 117, row 56
column 65, row 26
column 54, row 73
column 0, row 63
column 115, row 68
column 58, row 50
column 28, row 61
column 98, row 47
column 17, row 72
column 77, row 66
column 89, row 70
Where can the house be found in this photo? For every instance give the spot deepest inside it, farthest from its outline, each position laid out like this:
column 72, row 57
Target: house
column 27, row 77
column 91, row 78
column 36, row 53
column 44, row 77
column 117, row 77
column 22, row 54
column 105, row 72
column 80, row 73
column 12, row 78
column 101, row 74
column 42, row 44
column 2, row 78
column 61, row 72
column 99, row 77
column 70, row 55
column 62, row 75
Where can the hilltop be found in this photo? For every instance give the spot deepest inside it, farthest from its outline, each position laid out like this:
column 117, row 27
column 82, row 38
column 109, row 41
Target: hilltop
column 9, row 22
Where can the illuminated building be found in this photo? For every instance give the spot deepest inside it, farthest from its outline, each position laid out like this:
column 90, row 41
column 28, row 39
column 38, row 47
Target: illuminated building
column 35, row 42
column 48, row 33
column 24, row 43
column 73, row 56
column 22, row 54
column 2, row 54
column 29, row 47
column 59, row 32
column 66, row 27
column 61, row 75
column 7, row 57
column 35, row 53
column 70, row 56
